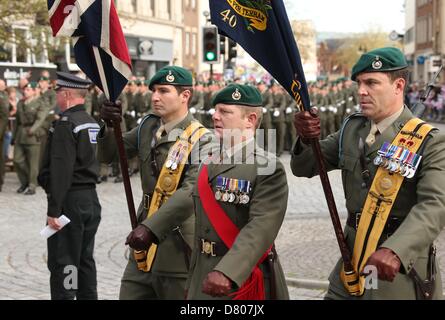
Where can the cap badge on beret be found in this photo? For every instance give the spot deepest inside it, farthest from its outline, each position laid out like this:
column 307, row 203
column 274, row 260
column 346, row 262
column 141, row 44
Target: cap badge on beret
column 170, row 77
column 377, row 64
column 236, row 95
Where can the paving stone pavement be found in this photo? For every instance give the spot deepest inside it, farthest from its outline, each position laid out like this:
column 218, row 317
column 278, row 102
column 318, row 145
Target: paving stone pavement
column 306, row 243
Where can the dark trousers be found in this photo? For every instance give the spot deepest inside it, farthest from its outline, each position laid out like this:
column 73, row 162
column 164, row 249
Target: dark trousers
column 70, row 251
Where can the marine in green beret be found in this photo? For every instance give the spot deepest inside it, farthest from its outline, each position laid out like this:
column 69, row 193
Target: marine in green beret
column 410, row 208
column 172, row 75
column 248, row 198
column 154, row 141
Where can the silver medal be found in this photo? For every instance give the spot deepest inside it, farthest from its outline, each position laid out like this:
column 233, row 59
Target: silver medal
column 218, row 195
column 225, row 197
column 378, row 160
column 231, row 197
column 168, row 164
column 174, row 166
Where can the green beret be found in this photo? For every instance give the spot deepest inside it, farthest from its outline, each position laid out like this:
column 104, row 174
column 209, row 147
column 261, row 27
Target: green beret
column 380, row 60
column 32, row 85
column 172, row 75
column 239, row 94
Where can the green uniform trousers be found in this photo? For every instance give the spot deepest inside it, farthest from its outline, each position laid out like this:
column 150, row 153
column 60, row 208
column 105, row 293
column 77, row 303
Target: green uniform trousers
column 26, row 163
column 139, row 285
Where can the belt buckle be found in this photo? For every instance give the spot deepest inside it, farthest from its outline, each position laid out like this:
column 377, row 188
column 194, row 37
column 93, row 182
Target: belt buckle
column 146, row 201
column 208, row 247
column 357, row 219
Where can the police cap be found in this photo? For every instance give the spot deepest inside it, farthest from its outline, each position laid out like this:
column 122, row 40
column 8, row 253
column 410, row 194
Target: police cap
column 68, row 80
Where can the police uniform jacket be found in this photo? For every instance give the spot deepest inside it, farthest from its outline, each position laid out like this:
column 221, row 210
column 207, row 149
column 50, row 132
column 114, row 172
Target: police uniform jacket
column 70, row 157
column 419, row 206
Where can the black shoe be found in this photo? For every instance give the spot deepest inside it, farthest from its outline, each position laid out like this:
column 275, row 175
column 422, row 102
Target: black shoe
column 103, row 178
column 21, row 189
column 118, row 179
column 30, row 192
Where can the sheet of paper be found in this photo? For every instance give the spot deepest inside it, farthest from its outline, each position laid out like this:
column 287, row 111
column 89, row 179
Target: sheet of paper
column 48, row 231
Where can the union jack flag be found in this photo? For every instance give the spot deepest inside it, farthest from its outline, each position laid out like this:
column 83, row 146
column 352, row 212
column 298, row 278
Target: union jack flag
column 99, row 44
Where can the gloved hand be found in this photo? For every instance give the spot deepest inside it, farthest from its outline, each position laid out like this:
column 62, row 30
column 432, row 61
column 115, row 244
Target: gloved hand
column 216, row 284
column 386, row 262
column 140, row 238
column 111, row 112
column 307, row 125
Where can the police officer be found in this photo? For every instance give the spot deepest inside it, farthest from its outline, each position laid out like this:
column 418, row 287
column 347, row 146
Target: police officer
column 393, row 169
column 69, row 175
column 240, row 205
column 158, row 267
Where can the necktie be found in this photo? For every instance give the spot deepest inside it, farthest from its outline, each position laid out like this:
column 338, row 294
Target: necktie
column 160, row 132
column 370, row 139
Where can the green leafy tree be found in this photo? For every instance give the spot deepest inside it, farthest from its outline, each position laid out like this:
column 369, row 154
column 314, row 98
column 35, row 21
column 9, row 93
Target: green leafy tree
column 31, row 14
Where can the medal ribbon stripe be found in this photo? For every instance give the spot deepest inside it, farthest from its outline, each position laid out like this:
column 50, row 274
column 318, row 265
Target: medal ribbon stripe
column 378, row 204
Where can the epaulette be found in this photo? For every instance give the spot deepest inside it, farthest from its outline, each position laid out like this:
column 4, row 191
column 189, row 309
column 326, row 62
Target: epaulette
column 345, row 122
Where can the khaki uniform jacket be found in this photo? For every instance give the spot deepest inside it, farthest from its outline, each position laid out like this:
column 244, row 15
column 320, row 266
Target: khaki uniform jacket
column 259, row 222
column 178, row 210
column 30, row 115
column 268, row 105
column 420, row 203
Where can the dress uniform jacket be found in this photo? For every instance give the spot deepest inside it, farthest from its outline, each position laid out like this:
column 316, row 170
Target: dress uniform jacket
column 259, row 222
column 30, row 115
column 419, row 208
column 178, row 210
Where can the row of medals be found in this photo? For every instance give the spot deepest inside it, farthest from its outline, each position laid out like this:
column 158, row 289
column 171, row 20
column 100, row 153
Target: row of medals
column 175, row 158
column 398, row 160
column 232, row 190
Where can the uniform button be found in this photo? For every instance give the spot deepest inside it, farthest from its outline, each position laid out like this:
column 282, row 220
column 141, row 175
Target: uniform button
column 364, row 186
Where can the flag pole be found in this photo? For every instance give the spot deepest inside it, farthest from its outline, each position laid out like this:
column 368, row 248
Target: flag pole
column 125, row 176
column 344, row 250
column 120, row 146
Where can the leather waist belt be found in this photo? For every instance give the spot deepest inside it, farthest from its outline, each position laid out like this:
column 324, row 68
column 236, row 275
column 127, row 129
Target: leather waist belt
column 392, row 224
column 212, row 248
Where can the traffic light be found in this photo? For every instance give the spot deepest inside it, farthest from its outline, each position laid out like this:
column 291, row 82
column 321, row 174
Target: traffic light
column 210, row 44
column 232, row 49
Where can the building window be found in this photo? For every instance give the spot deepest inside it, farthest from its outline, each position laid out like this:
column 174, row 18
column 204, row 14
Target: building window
column 194, row 44
column 193, row 4
column 409, row 36
column 187, row 43
column 134, row 6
